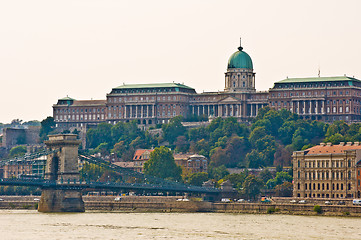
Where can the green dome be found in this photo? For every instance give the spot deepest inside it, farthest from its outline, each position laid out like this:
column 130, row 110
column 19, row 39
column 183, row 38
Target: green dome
column 240, row 59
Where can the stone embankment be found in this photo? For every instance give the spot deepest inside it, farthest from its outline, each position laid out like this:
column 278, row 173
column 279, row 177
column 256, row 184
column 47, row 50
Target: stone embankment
column 170, row 204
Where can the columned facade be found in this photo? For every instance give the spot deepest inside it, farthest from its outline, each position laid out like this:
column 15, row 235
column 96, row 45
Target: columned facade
column 320, row 98
column 327, row 171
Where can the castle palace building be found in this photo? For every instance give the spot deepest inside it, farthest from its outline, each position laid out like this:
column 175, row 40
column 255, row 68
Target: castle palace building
column 318, row 98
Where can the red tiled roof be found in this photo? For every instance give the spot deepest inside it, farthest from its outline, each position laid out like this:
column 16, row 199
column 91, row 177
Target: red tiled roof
column 319, row 149
column 139, row 152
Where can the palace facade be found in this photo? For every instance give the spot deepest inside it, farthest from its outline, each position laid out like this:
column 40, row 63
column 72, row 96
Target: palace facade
column 327, row 171
column 318, row 98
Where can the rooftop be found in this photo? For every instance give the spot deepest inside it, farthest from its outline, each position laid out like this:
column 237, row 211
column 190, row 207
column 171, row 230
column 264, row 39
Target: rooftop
column 317, row 79
column 88, row 102
column 66, row 99
column 138, row 155
column 153, row 85
column 328, row 148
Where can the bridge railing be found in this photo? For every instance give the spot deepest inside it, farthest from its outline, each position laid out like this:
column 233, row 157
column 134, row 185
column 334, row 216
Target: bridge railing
column 78, row 184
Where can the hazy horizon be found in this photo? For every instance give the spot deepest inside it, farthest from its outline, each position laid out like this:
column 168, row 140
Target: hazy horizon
column 83, row 49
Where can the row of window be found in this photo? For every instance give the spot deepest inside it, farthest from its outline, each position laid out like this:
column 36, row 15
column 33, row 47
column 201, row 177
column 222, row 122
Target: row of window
column 79, row 117
column 134, row 115
column 316, row 110
column 144, row 107
column 137, row 99
column 323, row 186
column 325, row 163
column 322, row 93
column 338, row 175
column 77, row 110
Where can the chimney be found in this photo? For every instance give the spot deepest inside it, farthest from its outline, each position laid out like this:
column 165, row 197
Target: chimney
column 349, row 143
column 342, row 143
column 322, row 144
column 357, row 143
column 329, row 144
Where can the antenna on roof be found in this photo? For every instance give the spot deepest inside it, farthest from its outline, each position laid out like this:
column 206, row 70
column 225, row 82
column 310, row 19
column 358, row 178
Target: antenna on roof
column 319, row 71
column 240, row 44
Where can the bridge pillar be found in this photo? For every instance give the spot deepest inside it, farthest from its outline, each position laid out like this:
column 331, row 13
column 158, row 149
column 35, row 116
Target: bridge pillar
column 62, row 168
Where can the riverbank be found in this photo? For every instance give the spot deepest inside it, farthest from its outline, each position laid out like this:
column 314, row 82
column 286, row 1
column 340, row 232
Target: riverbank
column 170, row 204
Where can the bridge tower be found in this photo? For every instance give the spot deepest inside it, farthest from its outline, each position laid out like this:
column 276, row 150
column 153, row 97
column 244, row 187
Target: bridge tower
column 62, row 168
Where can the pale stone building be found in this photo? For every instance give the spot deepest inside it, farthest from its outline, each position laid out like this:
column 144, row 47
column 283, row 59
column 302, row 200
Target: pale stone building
column 326, row 171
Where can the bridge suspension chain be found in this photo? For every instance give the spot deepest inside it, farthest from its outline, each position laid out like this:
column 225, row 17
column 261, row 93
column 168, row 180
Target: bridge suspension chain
column 27, row 157
column 146, row 178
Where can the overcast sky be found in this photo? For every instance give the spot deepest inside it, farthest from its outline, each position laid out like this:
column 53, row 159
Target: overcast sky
column 84, row 48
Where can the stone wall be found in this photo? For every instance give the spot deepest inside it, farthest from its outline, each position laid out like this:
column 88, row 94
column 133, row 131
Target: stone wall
column 13, row 136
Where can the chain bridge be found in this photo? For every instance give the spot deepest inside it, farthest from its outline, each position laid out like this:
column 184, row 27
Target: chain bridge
column 62, row 187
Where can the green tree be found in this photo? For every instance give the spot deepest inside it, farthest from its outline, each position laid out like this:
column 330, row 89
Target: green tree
column 218, row 157
column 161, row 164
column 281, row 177
column 103, row 148
column 251, row 186
column 236, row 179
column 47, row 126
column 236, row 150
column 17, row 151
column 197, row 179
column 182, row 145
column 335, row 138
column 32, row 123
column 255, row 159
column 265, row 175
column 217, row 173
column 284, row 190
column 119, row 149
column 173, row 129
column 98, row 135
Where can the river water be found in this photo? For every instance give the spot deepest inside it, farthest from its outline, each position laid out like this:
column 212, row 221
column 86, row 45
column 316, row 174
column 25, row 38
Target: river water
column 29, row 224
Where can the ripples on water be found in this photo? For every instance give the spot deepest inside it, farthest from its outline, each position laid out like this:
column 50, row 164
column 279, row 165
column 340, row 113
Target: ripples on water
column 18, row 224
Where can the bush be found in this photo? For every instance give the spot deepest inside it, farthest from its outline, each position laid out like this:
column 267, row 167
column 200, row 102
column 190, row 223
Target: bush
column 271, row 210
column 346, row 213
column 317, row 209
column 26, row 206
